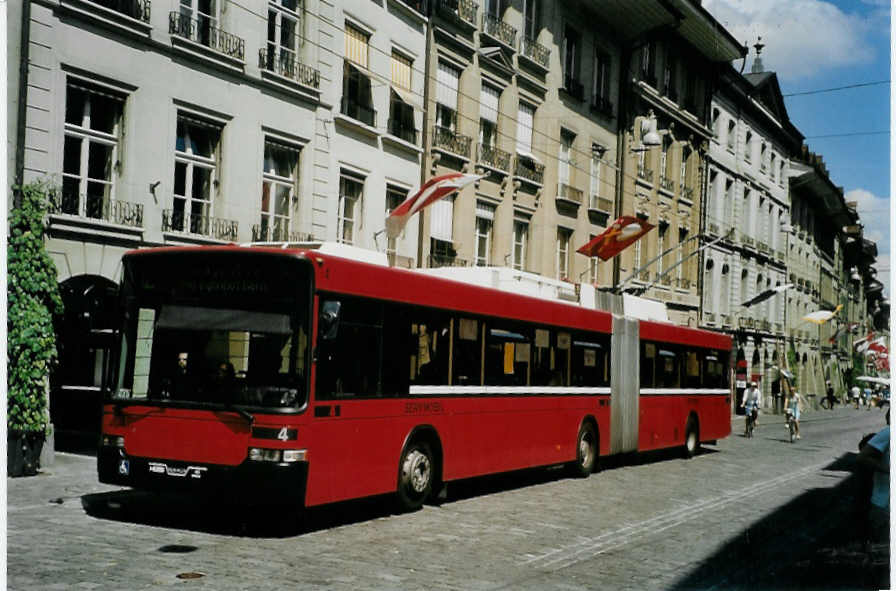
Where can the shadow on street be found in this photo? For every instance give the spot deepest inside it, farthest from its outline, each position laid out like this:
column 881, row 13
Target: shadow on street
column 813, row 542
column 217, row 515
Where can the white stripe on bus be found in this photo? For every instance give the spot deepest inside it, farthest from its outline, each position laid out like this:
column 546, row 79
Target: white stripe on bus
column 556, row 390
column 492, row 390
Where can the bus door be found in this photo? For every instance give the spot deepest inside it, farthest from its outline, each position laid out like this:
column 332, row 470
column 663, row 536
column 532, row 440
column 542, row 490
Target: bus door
column 624, row 385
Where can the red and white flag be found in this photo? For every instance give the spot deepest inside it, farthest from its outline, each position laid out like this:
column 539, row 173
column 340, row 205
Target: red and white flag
column 624, row 231
column 431, row 191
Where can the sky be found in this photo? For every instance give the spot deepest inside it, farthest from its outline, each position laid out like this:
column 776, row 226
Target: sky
column 822, row 44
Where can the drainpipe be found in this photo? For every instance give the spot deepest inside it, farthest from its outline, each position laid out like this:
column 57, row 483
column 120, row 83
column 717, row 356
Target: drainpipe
column 23, row 91
column 621, row 148
column 430, row 45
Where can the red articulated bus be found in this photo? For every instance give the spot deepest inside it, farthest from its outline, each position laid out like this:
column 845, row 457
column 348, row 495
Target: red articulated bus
column 307, row 378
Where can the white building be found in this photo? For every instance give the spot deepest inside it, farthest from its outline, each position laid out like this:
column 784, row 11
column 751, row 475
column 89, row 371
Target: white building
column 199, row 122
column 748, row 208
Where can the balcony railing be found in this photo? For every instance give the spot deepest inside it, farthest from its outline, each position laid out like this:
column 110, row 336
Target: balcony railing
column 666, row 281
column 495, row 28
column 417, row 5
column 443, row 260
column 687, row 192
column 667, row 183
column 401, row 129
column 201, row 31
column 714, row 228
column 266, row 233
column 494, row 157
column 573, row 87
column 644, row 276
column 98, row 208
column 766, row 325
column 746, row 239
column 709, row 317
column 535, row 51
column 645, row 173
column 201, row 225
column 568, row 193
column 463, row 10
column 529, row 170
column 452, row 141
column 684, row 283
column 136, row 9
column 355, row 110
column 763, row 248
column 285, row 64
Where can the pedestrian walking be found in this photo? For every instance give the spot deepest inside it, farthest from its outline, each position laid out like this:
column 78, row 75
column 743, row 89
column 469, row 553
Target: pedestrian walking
column 829, row 394
column 874, row 456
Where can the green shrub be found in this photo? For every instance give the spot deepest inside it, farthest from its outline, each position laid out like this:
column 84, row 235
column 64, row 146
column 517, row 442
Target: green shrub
column 33, row 299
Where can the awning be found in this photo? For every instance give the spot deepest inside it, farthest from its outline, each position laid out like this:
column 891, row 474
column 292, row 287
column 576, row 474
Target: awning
column 528, row 155
column 407, row 96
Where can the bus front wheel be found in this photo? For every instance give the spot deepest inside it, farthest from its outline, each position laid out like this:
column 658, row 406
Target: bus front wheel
column 415, row 476
column 586, row 451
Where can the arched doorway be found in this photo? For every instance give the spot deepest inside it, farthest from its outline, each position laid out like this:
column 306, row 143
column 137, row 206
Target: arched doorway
column 85, row 334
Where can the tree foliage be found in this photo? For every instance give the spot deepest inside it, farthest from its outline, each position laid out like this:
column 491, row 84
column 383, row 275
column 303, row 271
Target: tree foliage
column 33, row 300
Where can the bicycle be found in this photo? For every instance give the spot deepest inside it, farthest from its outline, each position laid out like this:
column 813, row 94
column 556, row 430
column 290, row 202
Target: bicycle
column 791, row 424
column 752, row 415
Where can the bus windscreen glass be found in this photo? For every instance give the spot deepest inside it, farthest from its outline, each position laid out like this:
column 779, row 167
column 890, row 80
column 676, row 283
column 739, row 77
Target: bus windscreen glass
column 214, row 329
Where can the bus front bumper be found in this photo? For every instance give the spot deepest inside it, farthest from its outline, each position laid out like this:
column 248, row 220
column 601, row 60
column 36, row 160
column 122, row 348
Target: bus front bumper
column 265, row 482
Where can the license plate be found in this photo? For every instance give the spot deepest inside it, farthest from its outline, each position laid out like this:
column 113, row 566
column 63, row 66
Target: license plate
column 177, row 471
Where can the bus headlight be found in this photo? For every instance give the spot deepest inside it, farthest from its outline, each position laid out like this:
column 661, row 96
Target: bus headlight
column 260, row 454
column 113, row 441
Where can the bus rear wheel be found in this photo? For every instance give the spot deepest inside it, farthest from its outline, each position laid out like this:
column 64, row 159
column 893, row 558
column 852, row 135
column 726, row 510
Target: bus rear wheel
column 415, row 476
column 586, row 451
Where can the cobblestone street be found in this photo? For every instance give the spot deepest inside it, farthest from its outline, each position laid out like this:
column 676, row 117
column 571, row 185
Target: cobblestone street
column 747, row 513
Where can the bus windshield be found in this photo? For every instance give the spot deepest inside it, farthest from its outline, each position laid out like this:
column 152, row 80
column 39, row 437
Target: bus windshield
column 223, row 330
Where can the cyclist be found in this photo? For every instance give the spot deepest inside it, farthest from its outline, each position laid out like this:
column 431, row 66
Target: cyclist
column 751, row 401
column 793, row 405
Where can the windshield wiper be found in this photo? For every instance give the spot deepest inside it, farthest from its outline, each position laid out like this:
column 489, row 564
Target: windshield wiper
column 250, row 418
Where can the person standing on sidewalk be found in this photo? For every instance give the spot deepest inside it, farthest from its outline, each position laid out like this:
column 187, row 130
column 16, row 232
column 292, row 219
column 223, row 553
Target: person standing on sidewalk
column 875, row 456
column 793, row 405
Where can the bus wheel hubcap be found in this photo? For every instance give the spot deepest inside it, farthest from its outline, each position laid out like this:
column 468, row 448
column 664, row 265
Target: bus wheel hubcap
column 585, row 450
column 417, row 471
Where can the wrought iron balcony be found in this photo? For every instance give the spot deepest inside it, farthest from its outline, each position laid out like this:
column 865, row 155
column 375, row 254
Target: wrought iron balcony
column 687, row 192
column 709, row 317
column 417, row 5
column 495, row 28
column 462, row 10
column 285, row 64
column 645, row 173
column 666, row 281
column 746, row 239
column 136, row 9
column 569, row 193
column 98, row 208
column 201, row 225
column 667, row 183
column 447, row 139
column 684, row 283
column 763, row 248
column 573, row 87
column 201, row 31
column 266, row 233
column 766, row 325
column 442, row 260
column 529, row 170
column 363, row 113
column 644, row 276
column 401, row 129
column 492, row 156
column 536, row 52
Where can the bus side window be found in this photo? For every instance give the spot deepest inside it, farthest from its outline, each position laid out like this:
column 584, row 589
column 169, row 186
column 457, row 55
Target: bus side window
column 551, row 363
column 429, row 348
column 507, row 355
column 692, row 373
column 396, row 347
column 467, row 357
column 349, row 364
column 590, row 355
column 648, row 357
column 668, row 374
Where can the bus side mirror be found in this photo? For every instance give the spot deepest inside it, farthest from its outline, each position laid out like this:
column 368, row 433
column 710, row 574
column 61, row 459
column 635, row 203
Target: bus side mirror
column 328, row 323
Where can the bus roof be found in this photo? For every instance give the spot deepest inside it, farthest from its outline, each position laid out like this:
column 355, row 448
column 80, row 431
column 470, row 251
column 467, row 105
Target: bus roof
column 369, row 278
